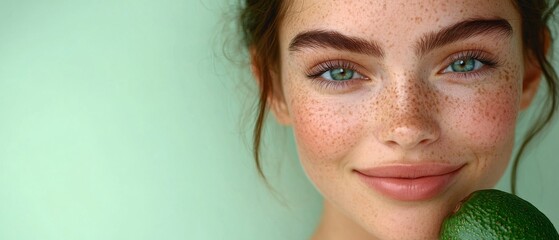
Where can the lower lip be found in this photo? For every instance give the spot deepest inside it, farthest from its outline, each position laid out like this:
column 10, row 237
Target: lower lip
column 406, row 189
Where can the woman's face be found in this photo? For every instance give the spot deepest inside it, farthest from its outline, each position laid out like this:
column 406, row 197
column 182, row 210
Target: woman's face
column 401, row 108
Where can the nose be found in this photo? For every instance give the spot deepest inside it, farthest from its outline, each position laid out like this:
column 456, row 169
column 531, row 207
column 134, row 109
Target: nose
column 409, row 115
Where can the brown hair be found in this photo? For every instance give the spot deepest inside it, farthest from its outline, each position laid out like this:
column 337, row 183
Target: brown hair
column 536, row 15
column 260, row 20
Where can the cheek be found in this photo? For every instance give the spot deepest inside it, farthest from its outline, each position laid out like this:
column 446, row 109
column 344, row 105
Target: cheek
column 485, row 126
column 325, row 129
column 491, row 118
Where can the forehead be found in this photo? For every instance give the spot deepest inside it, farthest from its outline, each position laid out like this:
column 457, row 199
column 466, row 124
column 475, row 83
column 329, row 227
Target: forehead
column 386, row 20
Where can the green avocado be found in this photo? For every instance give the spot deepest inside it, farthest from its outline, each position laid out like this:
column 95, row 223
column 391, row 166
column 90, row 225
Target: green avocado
column 494, row 214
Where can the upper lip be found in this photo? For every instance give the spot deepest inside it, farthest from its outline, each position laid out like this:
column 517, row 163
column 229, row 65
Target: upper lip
column 410, row 170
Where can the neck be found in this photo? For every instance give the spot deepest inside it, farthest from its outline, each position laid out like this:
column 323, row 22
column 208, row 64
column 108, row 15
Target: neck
column 335, row 225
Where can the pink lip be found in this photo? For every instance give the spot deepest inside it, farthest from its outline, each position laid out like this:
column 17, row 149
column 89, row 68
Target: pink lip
column 410, row 182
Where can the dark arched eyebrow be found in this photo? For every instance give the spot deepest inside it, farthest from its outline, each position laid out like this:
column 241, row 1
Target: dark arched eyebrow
column 335, row 40
column 461, row 31
column 456, row 32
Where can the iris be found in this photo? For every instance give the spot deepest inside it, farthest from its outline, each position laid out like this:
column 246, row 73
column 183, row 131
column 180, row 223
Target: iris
column 463, row 65
column 341, row 74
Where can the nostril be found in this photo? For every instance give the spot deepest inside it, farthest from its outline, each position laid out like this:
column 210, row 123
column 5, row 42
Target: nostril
column 392, row 143
column 425, row 141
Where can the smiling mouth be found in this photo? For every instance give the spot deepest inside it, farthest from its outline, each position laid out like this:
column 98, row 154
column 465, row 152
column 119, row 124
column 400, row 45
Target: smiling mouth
column 410, row 182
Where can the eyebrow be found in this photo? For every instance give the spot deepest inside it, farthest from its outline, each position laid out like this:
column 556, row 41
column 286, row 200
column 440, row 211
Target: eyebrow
column 458, row 31
column 332, row 39
column 461, row 31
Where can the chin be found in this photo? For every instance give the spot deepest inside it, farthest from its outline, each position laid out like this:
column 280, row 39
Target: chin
column 412, row 222
column 383, row 218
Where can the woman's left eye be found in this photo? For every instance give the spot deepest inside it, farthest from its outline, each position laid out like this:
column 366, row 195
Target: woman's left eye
column 464, row 65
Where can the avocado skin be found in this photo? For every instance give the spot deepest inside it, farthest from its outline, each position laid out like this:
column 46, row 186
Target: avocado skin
column 494, row 214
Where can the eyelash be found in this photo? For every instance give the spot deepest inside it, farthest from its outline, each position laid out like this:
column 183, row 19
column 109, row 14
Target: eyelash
column 315, row 74
column 487, row 61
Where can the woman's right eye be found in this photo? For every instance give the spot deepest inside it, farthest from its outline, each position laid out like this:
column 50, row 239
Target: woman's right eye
column 335, row 70
column 341, row 74
column 336, row 75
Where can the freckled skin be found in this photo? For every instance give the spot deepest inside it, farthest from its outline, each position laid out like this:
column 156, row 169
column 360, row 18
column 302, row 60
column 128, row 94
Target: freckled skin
column 406, row 112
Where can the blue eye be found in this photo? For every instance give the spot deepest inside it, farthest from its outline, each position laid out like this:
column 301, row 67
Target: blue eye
column 340, row 74
column 464, row 65
column 337, row 75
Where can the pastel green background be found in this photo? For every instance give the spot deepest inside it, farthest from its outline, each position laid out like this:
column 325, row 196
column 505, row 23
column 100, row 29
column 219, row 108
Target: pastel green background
column 123, row 120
